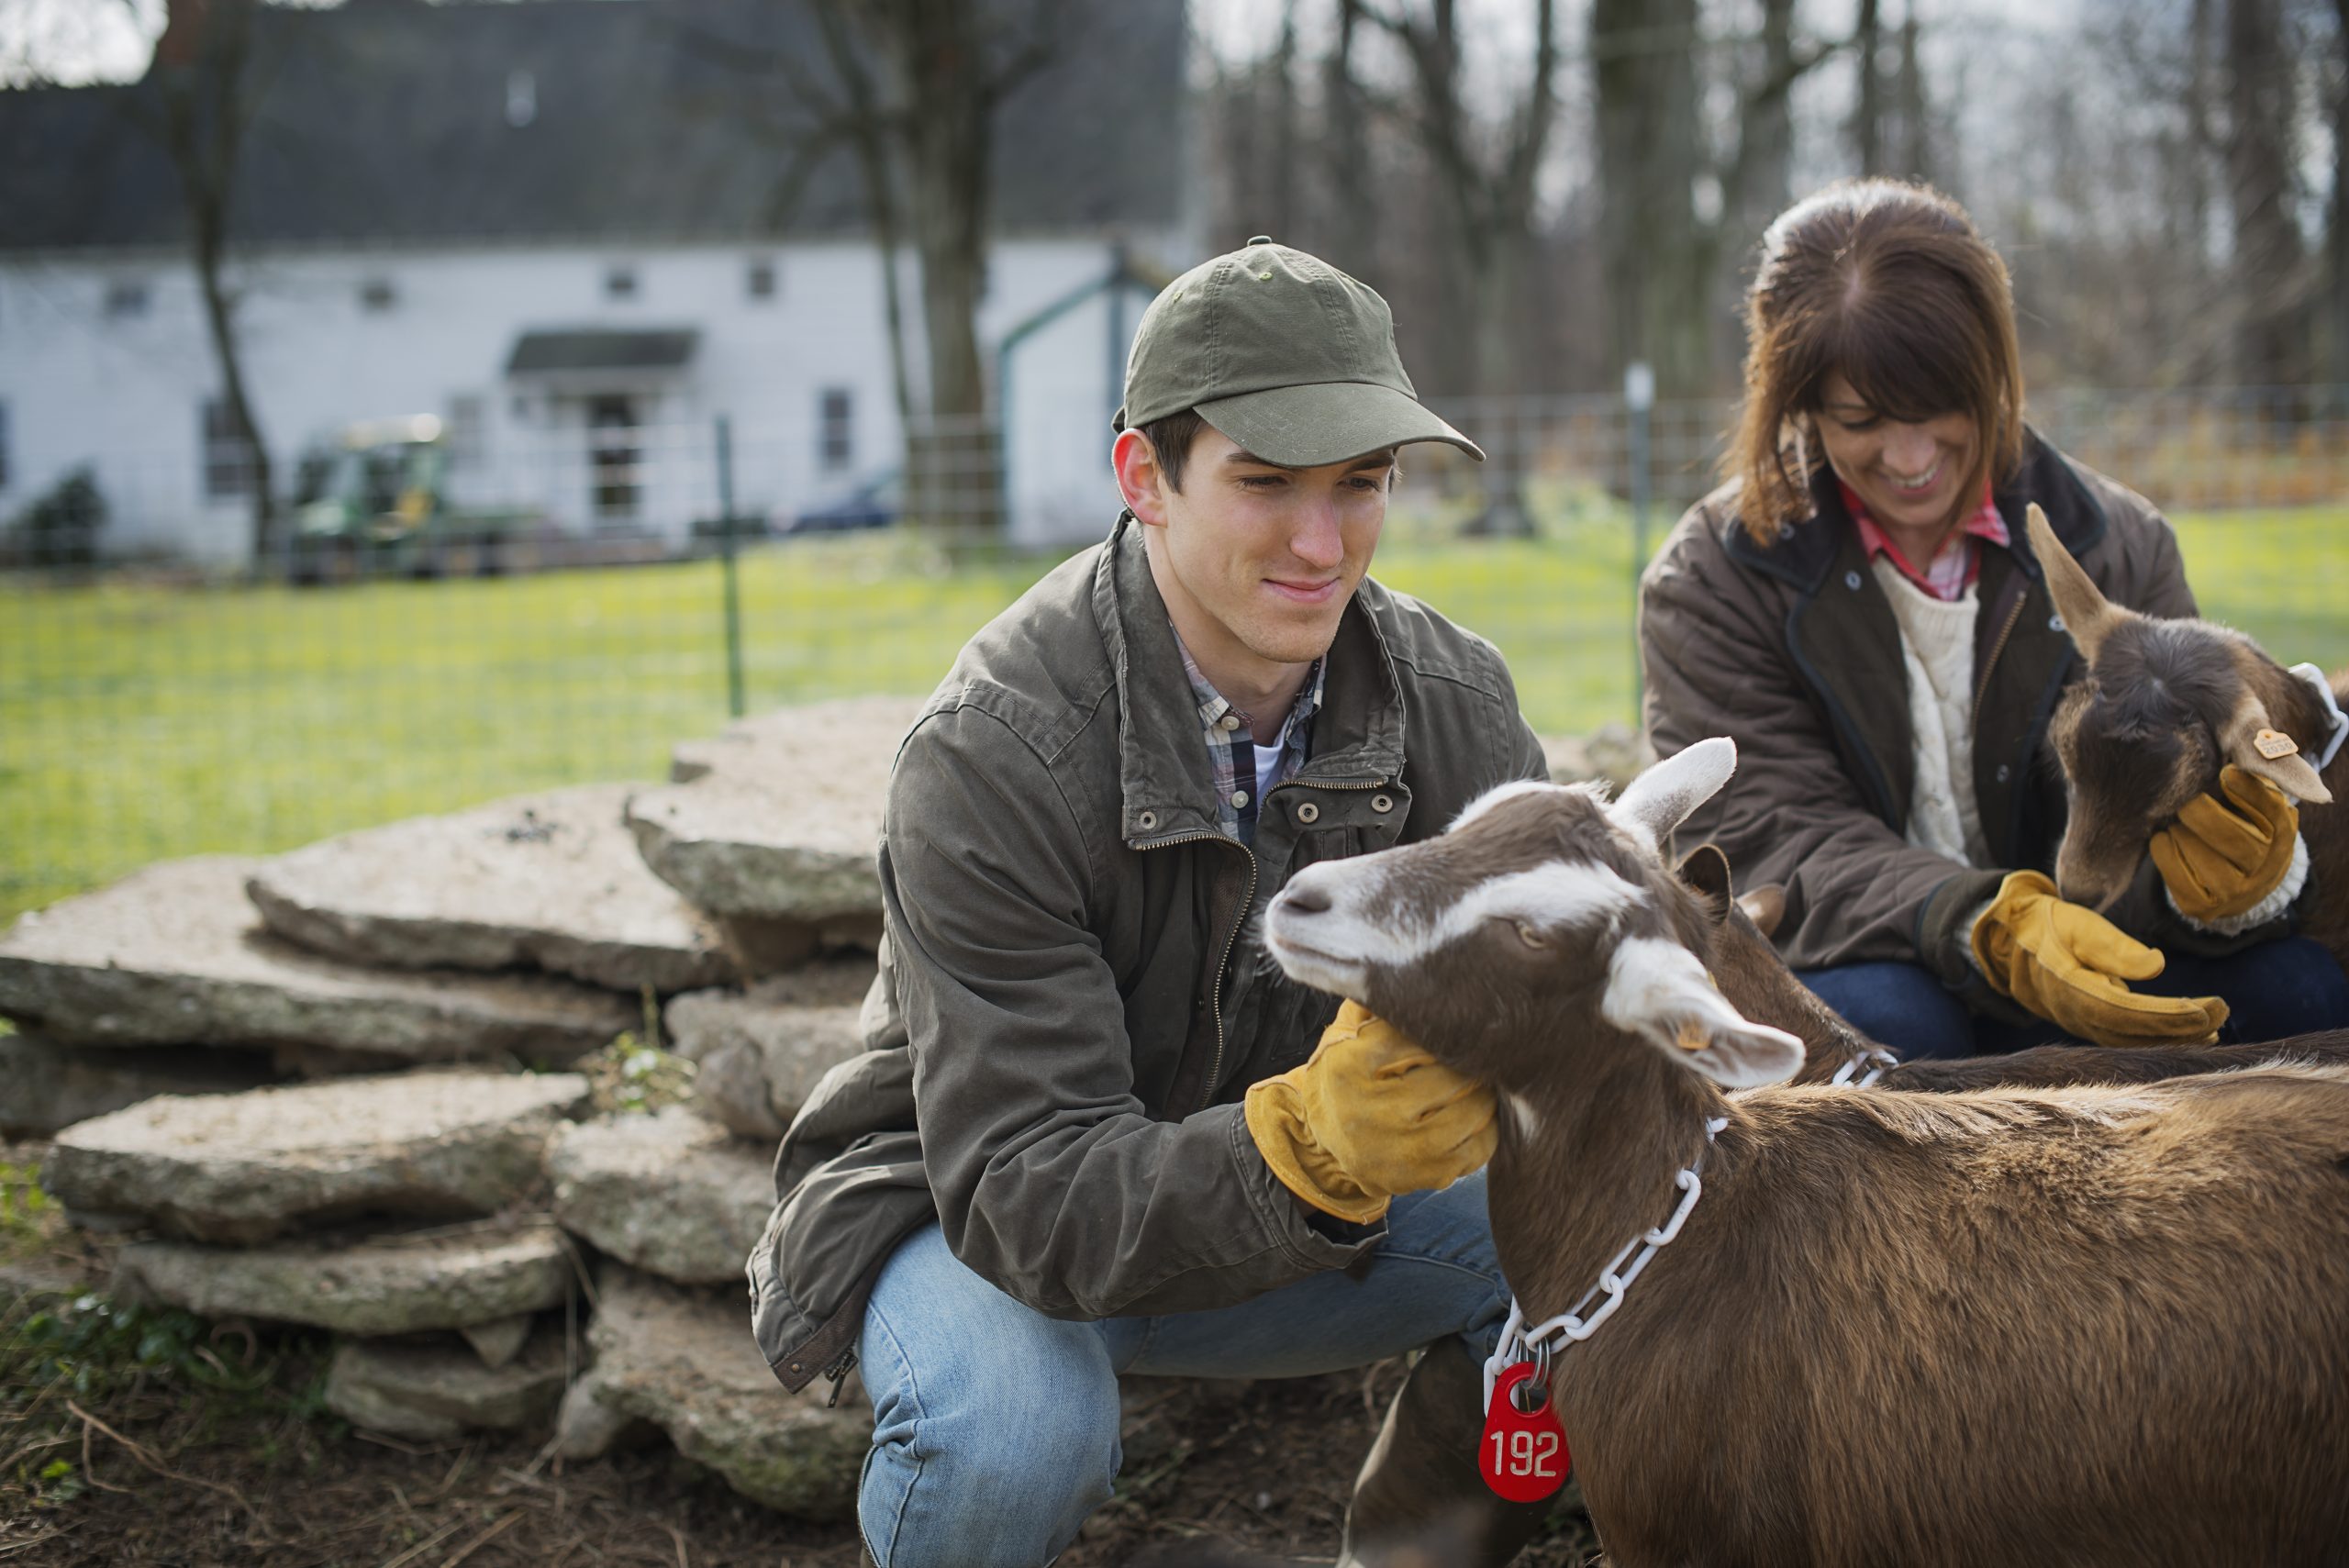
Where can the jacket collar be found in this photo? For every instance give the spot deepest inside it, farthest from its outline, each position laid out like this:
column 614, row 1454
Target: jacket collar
column 1165, row 781
column 1803, row 554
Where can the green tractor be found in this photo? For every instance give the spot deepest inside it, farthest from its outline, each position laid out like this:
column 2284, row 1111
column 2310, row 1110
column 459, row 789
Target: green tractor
column 371, row 504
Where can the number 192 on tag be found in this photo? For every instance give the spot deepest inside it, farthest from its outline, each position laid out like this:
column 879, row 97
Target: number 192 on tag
column 1530, row 1454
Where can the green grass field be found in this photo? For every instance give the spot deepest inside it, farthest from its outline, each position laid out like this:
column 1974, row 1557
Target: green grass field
column 140, row 721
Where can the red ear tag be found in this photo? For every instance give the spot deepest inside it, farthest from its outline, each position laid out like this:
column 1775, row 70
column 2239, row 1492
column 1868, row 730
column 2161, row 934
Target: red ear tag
column 1523, row 1453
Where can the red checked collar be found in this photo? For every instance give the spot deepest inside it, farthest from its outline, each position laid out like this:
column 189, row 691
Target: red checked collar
column 1959, row 561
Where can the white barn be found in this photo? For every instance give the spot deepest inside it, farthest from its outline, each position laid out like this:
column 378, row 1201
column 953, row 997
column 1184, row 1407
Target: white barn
column 559, row 227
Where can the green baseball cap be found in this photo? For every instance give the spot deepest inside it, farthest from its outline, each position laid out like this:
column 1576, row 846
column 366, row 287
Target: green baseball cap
column 1283, row 353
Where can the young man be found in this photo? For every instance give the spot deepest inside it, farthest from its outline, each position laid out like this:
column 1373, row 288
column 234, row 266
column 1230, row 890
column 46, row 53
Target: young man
column 1088, row 1139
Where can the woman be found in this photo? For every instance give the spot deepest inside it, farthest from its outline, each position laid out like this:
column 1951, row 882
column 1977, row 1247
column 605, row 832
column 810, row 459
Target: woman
column 1859, row 609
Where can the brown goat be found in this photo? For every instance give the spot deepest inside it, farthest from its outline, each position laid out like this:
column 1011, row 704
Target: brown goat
column 2090, row 1326
column 2165, row 706
column 1760, row 986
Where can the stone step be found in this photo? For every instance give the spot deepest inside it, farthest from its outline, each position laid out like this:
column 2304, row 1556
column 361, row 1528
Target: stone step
column 759, row 1051
column 434, row 1391
column 46, row 1086
column 683, row 1360
column 549, row 881
column 453, row 1277
column 773, row 824
column 671, row 1193
column 176, row 954
column 434, row 1142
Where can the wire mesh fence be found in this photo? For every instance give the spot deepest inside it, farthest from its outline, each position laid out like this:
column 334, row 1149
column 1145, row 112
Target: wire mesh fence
column 434, row 627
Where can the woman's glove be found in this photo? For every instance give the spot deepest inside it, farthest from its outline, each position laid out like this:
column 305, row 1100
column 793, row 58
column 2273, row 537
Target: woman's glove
column 2067, row 963
column 1368, row 1115
column 2221, row 858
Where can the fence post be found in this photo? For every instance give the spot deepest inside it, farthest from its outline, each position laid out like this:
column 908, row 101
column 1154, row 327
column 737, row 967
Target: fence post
column 1639, row 400
column 727, row 568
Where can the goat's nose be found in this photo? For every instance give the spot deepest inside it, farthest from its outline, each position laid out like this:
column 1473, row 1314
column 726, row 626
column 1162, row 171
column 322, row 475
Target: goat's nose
column 1305, row 899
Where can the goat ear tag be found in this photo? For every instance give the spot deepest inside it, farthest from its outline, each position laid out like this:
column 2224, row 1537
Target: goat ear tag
column 2274, row 743
column 1523, row 1453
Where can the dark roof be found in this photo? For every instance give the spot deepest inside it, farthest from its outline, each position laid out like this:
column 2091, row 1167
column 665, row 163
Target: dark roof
column 591, row 348
column 385, row 121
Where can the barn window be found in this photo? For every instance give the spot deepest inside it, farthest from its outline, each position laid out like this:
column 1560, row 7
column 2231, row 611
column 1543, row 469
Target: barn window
column 620, row 282
column 758, row 279
column 227, row 463
column 836, row 431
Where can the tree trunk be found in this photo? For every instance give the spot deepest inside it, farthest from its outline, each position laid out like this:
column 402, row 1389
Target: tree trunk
column 1350, row 208
column 1867, row 108
column 2267, row 256
column 2337, row 224
column 204, row 71
column 1658, row 258
column 1916, row 123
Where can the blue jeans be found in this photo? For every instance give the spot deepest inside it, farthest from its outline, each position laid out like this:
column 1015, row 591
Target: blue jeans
column 994, row 1428
column 2285, row 988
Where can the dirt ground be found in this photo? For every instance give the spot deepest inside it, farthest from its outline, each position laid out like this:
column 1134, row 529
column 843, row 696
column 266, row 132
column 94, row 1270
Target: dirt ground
column 155, row 1441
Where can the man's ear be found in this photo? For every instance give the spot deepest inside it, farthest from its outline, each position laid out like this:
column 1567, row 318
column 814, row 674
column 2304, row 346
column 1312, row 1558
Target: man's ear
column 1140, row 478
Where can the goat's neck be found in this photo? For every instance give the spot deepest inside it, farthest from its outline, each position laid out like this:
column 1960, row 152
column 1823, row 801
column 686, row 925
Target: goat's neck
column 1759, row 985
column 1585, row 1165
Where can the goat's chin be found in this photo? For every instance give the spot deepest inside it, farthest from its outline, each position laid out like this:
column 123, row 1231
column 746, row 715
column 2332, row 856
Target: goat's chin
column 1318, row 971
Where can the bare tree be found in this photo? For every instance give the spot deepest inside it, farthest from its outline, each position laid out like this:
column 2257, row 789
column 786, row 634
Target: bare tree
column 945, row 67
column 2261, row 111
column 202, row 92
column 1662, row 256
column 1867, row 102
column 2337, row 217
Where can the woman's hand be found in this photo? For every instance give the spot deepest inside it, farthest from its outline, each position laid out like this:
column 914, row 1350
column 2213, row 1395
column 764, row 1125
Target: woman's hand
column 2070, row 965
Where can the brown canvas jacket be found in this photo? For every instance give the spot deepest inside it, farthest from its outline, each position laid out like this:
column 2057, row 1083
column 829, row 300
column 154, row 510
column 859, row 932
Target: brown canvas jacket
column 1792, row 651
column 1071, row 1002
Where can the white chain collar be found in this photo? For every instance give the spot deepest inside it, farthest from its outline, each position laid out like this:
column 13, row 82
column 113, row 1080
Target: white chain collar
column 2323, row 689
column 1519, row 1343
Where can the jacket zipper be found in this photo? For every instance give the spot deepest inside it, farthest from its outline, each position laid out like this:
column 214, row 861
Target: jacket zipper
column 1982, row 688
column 1247, row 902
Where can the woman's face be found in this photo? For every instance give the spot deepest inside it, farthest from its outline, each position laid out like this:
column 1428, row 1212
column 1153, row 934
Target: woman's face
column 1908, row 476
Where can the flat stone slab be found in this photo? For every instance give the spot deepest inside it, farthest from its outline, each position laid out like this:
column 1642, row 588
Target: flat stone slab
column 551, row 881
column 435, row 1143
column 759, row 1051
column 432, row 1391
column 672, row 1193
column 176, row 953
column 46, row 1086
column 779, row 817
column 683, row 1360
column 383, row 1284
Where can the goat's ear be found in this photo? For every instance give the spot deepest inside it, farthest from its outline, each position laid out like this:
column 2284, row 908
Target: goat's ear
column 2290, row 772
column 1661, row 799
column 1765, row 906
column 1704, row 870
column 2088, row 616
column 1656, row 989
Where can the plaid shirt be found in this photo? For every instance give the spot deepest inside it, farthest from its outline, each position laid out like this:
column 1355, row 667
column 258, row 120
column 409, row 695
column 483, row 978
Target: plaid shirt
column 1232, row 749
column 1958, row 561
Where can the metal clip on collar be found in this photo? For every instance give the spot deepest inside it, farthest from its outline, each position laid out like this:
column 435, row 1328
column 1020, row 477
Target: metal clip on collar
column 1874, row 1058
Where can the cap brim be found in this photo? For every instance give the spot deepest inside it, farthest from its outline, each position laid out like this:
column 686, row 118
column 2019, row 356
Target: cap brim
column 1304, row 427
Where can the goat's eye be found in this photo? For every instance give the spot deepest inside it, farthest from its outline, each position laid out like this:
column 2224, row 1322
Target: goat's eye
column 1532, row 935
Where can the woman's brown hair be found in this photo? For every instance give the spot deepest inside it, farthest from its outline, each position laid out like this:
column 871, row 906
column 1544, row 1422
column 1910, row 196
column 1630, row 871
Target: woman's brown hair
column 1891, row 285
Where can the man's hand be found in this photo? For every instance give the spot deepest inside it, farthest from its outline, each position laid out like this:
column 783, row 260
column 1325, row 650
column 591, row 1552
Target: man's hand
column 1370, row 1114
column 2221, row 857
column 2069, row 965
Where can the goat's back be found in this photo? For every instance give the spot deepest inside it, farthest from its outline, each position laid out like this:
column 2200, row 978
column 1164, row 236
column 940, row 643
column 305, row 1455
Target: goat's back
column 2086, row 1326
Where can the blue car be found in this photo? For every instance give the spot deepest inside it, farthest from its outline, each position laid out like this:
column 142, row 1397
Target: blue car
column 874, row 504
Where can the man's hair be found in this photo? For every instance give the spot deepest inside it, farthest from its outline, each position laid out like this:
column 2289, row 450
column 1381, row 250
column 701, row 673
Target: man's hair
column 1891, row 285
column 1170, row 439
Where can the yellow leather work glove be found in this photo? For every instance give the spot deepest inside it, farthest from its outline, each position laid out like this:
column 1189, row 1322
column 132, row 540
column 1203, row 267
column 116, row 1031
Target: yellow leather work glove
column 2067, row 963
column 1368, row 1115
column 2221, row 857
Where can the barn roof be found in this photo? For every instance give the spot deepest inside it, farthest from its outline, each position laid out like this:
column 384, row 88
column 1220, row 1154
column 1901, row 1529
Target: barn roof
column 386, row 122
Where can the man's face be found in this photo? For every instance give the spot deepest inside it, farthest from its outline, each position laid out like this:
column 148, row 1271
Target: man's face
column 1256, row 557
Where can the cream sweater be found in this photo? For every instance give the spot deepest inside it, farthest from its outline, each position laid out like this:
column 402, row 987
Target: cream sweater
column 1937, row 651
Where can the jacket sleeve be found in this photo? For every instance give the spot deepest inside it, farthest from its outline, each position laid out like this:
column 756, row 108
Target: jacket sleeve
column 1051, row 1182
column 1856, row 890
